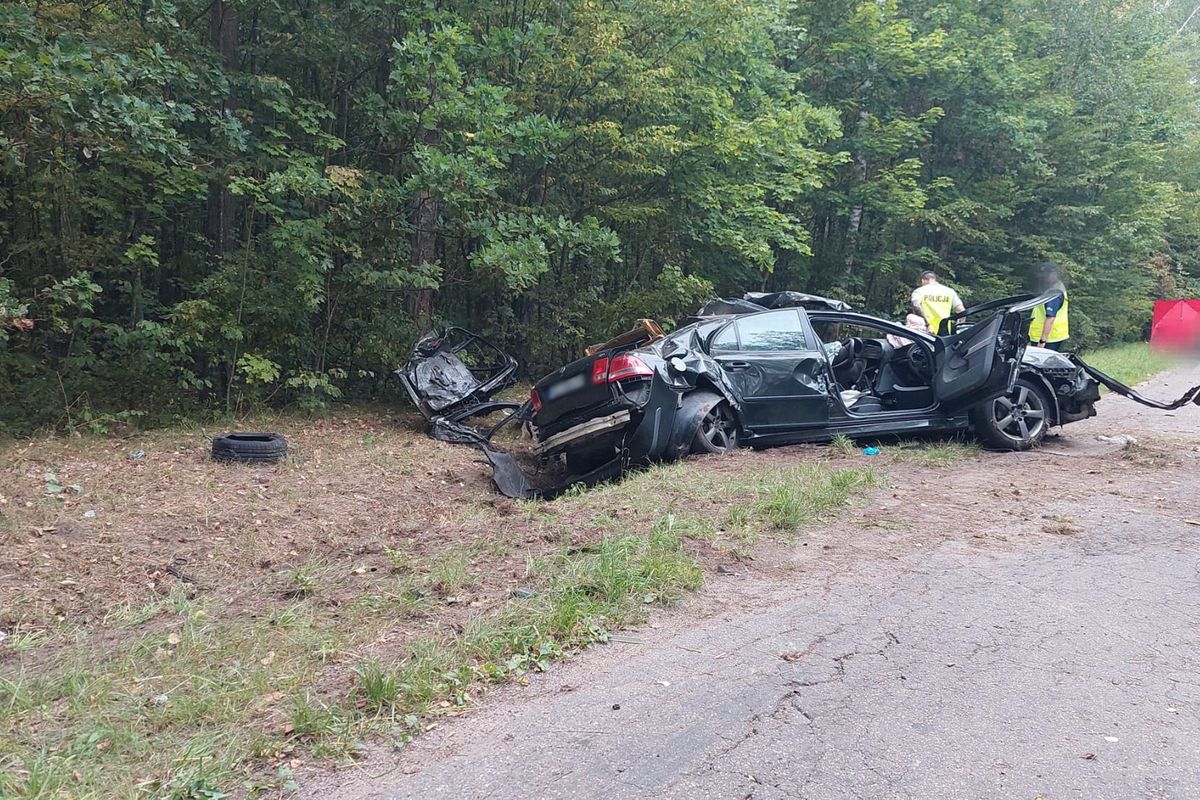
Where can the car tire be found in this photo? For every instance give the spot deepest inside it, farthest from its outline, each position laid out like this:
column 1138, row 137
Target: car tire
column 717, row 431
column 249, row 448
column 1018, row 420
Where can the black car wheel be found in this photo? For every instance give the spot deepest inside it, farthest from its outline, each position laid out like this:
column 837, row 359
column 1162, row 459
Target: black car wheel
column 717, row 432
column 1015, row 421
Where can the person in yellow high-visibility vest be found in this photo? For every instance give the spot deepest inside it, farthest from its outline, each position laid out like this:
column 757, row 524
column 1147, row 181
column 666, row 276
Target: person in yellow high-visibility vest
column 935, row 302
column 1050, row 326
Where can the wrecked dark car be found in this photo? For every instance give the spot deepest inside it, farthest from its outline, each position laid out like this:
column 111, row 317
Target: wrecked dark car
column 781, row 368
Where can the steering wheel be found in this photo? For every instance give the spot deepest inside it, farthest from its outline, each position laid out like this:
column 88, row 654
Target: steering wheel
column 918, row 360
column 847, row 353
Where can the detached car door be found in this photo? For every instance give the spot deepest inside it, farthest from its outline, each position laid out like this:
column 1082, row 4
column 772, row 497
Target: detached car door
column 772, row 363
column 981, row 362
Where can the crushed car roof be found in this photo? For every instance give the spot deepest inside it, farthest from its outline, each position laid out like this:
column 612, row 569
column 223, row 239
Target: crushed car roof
column 752, row 302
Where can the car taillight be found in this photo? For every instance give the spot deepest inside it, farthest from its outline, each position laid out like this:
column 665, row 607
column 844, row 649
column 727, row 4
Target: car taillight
column 627, row 366
column 535, row 400
column 600, row 370
column 618, row 368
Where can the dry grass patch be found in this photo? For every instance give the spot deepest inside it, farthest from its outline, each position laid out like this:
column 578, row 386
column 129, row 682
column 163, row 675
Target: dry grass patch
column 210, row 628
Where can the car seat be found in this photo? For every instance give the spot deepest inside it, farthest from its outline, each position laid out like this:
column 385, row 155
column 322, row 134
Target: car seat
column 860, row 402
column 910, row 398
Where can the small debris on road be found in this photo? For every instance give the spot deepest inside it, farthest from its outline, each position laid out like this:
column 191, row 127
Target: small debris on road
column 173, row 570
column 1120, row 438
column 1088, row 756
column 616, row 706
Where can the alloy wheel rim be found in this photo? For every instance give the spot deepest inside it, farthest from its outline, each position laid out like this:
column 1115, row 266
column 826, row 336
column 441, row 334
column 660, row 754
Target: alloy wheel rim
column 715, row 428
column 1020, row 415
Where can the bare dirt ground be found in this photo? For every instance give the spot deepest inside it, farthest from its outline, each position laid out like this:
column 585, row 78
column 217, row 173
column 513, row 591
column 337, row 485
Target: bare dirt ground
column 180, row 626
column 354, row 486
column 1013, row 625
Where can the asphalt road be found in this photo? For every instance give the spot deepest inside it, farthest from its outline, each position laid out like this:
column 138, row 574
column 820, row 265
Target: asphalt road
column 1026, row 627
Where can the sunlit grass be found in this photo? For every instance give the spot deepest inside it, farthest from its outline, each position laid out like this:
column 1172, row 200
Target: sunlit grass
column 1130, row 362
column 934, row 452
column 803, row 494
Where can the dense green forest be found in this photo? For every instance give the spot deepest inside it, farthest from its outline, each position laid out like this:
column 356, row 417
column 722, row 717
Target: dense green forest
column 207, row 203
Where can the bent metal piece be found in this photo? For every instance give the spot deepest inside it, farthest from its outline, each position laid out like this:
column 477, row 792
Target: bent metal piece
column 454, row 428
column 511, row 481
column 441, row 383
column 644, row 332
column 450, row 394
column 1192, row 395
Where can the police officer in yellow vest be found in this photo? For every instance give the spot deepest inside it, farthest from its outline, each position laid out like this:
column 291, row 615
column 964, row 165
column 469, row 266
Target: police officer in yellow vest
column 935, row 302
column 1050, row 326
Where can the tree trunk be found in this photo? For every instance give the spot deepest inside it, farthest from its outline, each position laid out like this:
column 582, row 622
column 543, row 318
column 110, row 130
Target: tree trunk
column 219, row 210
column 856, row 214
column 426, row 208
column 223, row 35
column 423, row 250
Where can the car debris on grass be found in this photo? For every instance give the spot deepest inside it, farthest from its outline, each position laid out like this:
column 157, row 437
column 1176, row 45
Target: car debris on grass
column 762, row 370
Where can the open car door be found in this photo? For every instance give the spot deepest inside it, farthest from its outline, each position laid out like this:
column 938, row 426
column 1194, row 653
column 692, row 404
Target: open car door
column 981, row 362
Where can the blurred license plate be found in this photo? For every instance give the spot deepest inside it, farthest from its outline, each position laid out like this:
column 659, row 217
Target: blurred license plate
column 571, row 384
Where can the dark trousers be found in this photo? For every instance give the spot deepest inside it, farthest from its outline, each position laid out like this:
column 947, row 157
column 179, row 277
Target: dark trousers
column 1055, row 345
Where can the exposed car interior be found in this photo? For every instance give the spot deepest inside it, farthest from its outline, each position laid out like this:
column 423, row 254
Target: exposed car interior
column 875, row 371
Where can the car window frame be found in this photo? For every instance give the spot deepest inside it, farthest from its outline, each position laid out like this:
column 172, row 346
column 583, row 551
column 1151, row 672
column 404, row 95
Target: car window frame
column 806, row 331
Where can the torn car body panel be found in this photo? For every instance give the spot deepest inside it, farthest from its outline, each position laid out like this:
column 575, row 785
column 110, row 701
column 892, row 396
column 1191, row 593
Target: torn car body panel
column 1192, row 395
column 453, row 369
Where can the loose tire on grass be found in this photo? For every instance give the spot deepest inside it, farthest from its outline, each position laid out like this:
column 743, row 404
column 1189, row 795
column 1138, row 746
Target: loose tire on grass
column 249, row 448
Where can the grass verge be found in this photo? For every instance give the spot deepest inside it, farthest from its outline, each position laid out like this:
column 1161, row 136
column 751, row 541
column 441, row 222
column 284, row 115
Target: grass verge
column 181, row 712
column 1129, row 362
column 351, row 595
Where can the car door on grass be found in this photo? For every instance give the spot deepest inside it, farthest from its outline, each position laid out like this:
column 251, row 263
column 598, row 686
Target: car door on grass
column 772, row 363
column 980, row 363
